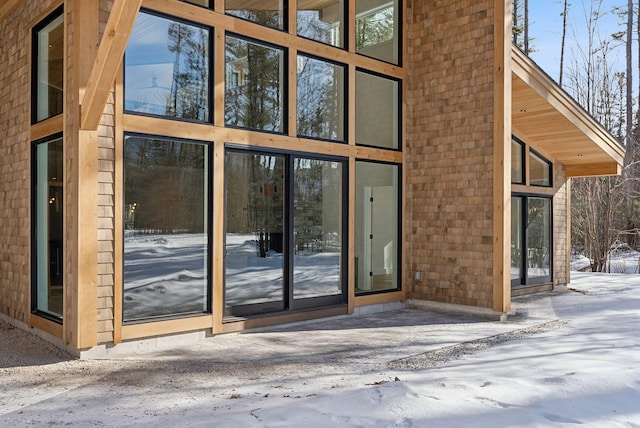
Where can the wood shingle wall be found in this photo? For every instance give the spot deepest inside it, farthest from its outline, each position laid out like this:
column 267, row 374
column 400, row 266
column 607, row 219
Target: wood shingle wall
column 450, row 151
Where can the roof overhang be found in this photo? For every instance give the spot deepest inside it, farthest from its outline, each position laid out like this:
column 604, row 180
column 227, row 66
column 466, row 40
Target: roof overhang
column 545, row 116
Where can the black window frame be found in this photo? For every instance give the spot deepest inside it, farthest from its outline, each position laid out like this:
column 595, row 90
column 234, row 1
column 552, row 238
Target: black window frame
column 523, row 162
column 549, row 165
column 211, row 56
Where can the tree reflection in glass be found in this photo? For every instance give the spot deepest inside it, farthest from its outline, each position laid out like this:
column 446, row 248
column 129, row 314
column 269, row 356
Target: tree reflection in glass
column 254, row 240
column 317, row 228
column 166, row 245
column 167, row 69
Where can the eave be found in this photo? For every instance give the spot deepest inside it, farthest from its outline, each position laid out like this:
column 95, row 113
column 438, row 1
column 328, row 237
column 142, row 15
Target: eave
column 546, row 117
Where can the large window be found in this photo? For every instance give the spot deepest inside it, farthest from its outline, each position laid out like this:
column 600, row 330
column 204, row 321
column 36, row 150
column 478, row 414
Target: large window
column 166, row 234
column 378, row 29
column 285, row 236
column 377, row 111
column 531, row 246
column 322, row 21
column 270, row 13
column 48, row 67
column 539, row 170
column 377, row 227
column 167, row 69
column 47, row 227
column 321, row 99
column 254, row 87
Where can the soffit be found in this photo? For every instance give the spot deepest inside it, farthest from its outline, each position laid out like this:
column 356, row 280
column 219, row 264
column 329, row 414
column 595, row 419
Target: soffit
column 548, row 118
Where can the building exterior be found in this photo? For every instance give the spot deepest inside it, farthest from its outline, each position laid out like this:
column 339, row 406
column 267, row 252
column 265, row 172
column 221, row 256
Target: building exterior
column 208, row 166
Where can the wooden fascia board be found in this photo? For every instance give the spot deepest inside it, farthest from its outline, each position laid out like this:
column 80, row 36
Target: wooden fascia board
column 107, row 63
column 593, row 170
column 7, row 6
column 524, row 69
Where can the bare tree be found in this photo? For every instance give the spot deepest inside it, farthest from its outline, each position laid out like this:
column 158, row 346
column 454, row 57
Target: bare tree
column 565, row 12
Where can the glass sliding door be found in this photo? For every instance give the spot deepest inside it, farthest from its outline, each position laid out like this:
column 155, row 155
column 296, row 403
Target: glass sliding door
column 317, row 228
column 47, row 228
column 285, row 239
column 254, row 239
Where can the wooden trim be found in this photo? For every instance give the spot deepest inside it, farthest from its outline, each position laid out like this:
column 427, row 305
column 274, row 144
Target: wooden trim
column 375, row 299
column 281, row 318
column 523, row 291
column 103, row 73
column 7, row 6
column 118, row 201
column 218, row 77
column 43, row 324
column 47, row 127
column 351, row 239
column 159, row 328
column 218, row 6
column 590, row 170
column 292, row 90
column 218, row 225
column 204, row 132
column 502, row 156
column 521, row 188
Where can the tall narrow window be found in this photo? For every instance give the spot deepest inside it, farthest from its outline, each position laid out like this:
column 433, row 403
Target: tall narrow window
column 166, row 236
column 517, row 162
column 47, row 228
column 377, row 231
column 322, row 21
column 48, row 54
column 166, row 69
column 321, row 103
column 378, row 29
column 270, row 13
column 254, row 89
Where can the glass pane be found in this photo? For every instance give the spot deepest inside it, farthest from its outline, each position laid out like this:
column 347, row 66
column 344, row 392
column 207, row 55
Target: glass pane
column 376, row 111
column 317, row 228
column 264, row 12
column 322, row 21
column 517, row 169
column 539, row 170
column 378, row 29
column 166, row 249
column 254, row 87
column 376, row 246
column 254, row 240
column 539, row 238
column 516, row 238
column 167, row 69
column 49, row 215
column 320, row 99
column 50, row 52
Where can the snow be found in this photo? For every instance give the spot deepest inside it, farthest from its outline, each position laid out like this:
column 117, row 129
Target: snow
column 565, row 358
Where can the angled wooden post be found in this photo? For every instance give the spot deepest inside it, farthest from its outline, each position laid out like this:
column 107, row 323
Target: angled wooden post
column 107, row 61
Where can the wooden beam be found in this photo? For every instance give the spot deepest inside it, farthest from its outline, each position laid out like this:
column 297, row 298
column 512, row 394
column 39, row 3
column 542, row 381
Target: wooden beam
column 7, row 6
column 107, row 62
column 592, row 170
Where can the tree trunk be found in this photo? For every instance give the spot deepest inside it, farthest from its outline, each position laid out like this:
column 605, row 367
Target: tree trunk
column 564, row 36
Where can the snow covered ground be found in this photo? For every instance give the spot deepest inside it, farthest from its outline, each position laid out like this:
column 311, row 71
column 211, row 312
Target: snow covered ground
column 565, row 359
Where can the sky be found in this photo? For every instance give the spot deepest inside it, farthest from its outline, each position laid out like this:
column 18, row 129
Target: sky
column 545, row 26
